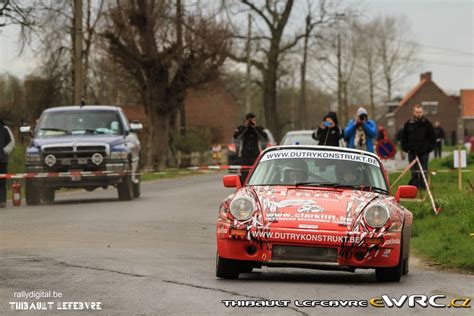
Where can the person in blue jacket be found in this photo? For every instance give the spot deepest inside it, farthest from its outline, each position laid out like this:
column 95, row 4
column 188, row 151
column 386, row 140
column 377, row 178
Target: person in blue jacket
column 360, row 131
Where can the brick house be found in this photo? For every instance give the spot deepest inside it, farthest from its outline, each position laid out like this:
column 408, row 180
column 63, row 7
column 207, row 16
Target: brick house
column 467, row 115
column 437, row 105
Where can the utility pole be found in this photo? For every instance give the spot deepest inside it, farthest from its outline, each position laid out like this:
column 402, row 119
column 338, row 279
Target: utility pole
column 78, row 52
column 248, row 77
column 339, row 76
column 302, row 103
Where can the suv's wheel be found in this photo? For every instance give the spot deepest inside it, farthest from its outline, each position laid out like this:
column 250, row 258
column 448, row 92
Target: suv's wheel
column 137, row 187
column 125, row 188
column 32, row 193
column 49, row 195
column 226, row 268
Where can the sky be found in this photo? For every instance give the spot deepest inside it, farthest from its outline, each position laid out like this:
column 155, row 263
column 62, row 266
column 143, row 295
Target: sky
column 444, row 31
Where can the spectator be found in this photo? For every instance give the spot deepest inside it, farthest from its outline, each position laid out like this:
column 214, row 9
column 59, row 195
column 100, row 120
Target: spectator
column 439, row 136
column 7, row 142
column 250, row 134
column 418, row 140
column 399, row 141
column 328, row 133
column 360, row 131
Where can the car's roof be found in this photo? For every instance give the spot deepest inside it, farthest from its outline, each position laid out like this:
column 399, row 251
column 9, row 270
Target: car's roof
column 301, row 132
column 84, row 107
column 332, row 148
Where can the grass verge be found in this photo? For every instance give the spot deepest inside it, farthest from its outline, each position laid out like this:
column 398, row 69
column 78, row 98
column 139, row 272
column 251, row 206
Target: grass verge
column 444, row 238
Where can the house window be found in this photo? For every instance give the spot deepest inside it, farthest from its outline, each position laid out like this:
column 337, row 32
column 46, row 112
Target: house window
column 430, row 107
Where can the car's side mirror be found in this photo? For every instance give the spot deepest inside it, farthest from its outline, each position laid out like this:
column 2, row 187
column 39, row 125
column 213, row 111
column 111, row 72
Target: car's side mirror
column 406, row 192
column 232, row 181
column 25, row 129
column 136, row 127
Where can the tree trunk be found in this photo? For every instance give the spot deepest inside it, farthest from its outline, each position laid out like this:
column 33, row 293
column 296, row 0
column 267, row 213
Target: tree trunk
column 158, row 125
column 269, row 102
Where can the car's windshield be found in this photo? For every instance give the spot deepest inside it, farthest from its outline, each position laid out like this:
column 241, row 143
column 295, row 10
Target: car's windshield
column 298, row 139
column 319, row 168
column 81, row 122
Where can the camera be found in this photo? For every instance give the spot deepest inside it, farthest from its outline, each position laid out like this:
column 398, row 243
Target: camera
column 363, row 117
column 327, row 124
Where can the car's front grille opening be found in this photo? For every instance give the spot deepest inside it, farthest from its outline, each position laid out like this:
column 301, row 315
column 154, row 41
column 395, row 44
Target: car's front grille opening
column 301, row 253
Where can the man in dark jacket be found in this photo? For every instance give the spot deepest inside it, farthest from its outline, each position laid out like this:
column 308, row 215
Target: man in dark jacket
column 250, row 134
column 418, row 140
column 7, row 142
column 328, row 133
column 439, row 136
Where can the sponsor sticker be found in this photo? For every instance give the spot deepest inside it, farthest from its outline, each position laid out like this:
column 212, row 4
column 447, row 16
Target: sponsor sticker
column 319, row 154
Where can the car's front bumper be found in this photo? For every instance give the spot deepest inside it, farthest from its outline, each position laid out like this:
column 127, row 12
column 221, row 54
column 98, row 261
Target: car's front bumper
column 111, row 173
column 345, row 250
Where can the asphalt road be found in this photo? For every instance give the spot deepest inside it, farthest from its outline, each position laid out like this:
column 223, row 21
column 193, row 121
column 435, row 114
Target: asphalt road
column 156, row 256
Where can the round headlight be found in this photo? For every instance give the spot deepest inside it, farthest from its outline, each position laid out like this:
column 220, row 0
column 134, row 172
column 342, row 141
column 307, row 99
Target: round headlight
column 242, row 208
column 97, row 159
column 50, row 160
column 376, row 215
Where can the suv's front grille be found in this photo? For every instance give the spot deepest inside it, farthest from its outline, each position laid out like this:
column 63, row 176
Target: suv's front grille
column 75, row 157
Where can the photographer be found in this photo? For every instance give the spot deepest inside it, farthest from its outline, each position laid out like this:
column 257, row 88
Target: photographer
column 360, row 131
column 328, row 133
column 250, row 134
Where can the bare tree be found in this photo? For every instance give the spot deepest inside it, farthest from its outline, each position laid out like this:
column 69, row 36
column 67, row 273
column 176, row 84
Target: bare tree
column 54, row 31
column 142, row 39
column 370, row 62
column 272, row 21
column 398, row 55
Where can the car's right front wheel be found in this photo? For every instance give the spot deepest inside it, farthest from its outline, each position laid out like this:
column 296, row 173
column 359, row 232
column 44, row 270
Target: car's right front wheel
column 226, row 268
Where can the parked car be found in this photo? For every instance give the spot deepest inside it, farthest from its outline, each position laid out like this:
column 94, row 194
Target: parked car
column 75, row 139
column 314, row 207
column 233, row 149
column 302, row 137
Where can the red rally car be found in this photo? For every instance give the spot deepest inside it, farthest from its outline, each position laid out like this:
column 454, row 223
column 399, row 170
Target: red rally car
column 314, row 207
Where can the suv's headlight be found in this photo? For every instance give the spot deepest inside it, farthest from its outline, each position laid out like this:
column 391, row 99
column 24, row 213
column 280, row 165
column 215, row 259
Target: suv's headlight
column 376, row 215
column 118, row 155
column 242, row 208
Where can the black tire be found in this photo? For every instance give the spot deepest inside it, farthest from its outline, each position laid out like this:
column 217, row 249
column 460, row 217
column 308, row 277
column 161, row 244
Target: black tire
column 32, row 193
column 49, row 195
column 391, row 274
column 125, row 189
column 227, row 268
column 137, row 187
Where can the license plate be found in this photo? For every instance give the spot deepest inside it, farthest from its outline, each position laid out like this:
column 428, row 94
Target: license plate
column 76, row 176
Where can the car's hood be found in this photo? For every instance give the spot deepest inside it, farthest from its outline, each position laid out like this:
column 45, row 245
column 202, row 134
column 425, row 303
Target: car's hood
column 112, row 140
column 310, row 208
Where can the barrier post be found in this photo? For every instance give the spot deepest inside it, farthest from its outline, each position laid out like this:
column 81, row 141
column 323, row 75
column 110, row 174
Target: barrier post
column 459, row 169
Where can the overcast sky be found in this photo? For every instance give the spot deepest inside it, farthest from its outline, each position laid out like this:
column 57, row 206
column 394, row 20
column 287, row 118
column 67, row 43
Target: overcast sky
column 443, row 29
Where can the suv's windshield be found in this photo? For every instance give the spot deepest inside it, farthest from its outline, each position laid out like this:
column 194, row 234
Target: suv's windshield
column 319, row 168
column 81, row 122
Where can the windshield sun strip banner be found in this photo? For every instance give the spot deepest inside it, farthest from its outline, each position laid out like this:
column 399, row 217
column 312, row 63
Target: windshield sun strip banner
column 319, row 154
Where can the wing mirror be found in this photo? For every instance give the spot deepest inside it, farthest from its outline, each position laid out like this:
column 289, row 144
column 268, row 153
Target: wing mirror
column 25, row 129
column 232, row 181
column 406, row 192
column 136, row 127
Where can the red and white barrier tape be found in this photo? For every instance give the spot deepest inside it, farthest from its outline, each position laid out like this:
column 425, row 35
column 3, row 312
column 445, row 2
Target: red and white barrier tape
column 435, row 209
column 403, row 172
column 108, row 173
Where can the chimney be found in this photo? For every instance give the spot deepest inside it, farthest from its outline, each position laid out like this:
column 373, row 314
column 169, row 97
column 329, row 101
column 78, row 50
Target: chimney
column 426, row 75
